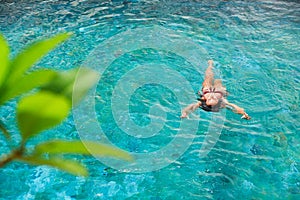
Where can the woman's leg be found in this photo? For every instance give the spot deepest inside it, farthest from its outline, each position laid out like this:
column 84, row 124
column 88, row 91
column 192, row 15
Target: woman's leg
column 209, row 75
column 219, row 87
column 218, row 84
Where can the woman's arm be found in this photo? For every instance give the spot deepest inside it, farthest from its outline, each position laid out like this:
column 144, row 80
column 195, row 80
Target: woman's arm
column 237, row 109
column 190, row 108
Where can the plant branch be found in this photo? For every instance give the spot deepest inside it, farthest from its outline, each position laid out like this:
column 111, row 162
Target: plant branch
column 12, row 156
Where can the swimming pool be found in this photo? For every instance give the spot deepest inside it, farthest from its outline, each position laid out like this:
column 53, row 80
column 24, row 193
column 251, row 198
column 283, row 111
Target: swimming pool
column 255, row 46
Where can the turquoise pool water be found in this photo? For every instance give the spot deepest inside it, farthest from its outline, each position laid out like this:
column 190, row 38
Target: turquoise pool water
column 255, row 46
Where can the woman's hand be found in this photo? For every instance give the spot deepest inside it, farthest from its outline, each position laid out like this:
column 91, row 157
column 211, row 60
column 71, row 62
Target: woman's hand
column 184, row 115
column 190, row 108
column 246, row 116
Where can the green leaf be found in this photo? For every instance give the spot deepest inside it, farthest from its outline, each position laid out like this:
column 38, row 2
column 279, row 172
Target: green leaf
column 27, row 83
column 41, row 111
column 73, row 84
column 85, row 80
column 81, row 147
column 61, row 82
column 4, row 59
column 69, row 166
column 29, row 56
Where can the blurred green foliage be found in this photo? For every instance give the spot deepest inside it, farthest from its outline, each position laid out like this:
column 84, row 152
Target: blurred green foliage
column 45, row 99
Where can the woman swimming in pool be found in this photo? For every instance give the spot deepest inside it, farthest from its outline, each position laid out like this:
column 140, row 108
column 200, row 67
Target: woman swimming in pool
column 213, row 96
